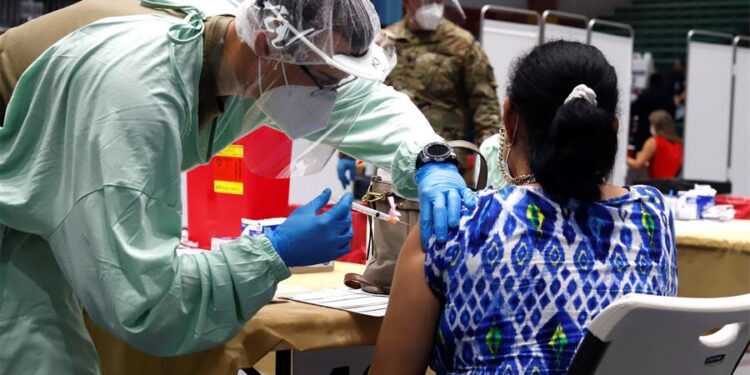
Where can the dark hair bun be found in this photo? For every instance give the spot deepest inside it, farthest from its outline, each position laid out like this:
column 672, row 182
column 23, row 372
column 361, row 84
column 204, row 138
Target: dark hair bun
column 581, row 151
column 572, row 146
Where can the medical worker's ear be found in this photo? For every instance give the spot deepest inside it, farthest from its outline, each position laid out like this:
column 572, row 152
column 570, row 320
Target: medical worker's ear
column 261, row 46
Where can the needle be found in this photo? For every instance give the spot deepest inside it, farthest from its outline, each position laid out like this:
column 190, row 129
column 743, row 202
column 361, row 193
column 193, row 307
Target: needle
column 373, row 213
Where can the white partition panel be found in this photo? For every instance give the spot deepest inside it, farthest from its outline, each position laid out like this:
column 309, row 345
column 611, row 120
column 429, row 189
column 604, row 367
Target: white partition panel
column 740, row 168
column 504, row 42
column 709, row 79
column 619, row 53
column 554, row 32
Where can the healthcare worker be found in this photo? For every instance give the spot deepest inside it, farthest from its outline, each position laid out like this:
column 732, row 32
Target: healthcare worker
column 107, row 102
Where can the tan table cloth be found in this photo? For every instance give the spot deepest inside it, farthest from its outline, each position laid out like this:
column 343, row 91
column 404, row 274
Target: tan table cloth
column 713, row 261
column 713, row 258
column 287, row 325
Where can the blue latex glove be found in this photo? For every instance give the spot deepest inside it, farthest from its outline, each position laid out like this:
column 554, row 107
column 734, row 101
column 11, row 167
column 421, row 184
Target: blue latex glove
column 441, row 193
column 307, row 238
column 346, row 165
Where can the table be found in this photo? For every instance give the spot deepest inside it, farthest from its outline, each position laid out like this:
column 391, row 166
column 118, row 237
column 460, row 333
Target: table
column 713, row 261
column 279, row 325
column 713, row 258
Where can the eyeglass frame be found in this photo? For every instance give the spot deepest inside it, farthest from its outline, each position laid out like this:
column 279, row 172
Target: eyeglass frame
column 334, row 87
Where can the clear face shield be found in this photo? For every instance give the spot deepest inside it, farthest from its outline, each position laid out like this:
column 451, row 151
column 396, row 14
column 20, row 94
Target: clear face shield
column 314, row 51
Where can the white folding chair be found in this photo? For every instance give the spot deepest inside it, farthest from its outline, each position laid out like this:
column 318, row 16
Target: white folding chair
column 645, row 334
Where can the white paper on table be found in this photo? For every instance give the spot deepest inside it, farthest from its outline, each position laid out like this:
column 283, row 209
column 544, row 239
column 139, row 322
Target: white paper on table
column 283, row 291
column 346, row 299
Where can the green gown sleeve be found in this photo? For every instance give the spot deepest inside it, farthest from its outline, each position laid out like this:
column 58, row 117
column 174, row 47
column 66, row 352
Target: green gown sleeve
column 90, row 162
column 371, row 122
column 387, row 130
column 116, row 243
column 117, row 249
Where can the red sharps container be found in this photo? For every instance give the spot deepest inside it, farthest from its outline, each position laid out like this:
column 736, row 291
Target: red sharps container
column 223, row 192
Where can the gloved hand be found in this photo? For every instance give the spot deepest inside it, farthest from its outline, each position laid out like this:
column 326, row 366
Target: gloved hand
column 441, row 192
column 346, row 165
column 306, row 238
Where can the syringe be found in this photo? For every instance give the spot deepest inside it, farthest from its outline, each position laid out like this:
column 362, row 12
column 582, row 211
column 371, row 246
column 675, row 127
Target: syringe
column 373, row 213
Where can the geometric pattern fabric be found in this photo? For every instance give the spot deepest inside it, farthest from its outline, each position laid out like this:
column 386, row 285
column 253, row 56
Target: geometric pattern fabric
column 526, row 272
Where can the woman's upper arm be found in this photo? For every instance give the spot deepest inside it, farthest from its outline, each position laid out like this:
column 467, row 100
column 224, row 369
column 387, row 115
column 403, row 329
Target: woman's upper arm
column 406, row 336
column 649, row 148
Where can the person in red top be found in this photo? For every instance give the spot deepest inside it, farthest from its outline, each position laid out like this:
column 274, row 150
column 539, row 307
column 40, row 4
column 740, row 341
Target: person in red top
column 662, row 153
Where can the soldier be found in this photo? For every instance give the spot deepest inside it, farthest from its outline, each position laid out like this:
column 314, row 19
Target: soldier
column 107, row 102
column 445, row 72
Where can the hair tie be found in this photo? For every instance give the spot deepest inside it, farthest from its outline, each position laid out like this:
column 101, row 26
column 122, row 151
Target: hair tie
column 582, row 92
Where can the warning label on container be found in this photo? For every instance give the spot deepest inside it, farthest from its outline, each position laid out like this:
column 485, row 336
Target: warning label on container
column 228, row 187
column 232, row 151
column 228, row 171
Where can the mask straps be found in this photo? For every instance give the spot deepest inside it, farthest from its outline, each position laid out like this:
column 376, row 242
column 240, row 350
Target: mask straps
column 283, row 72
column 260, row 77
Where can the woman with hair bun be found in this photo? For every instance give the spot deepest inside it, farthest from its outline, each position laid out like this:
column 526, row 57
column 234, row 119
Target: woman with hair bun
column 515, row 286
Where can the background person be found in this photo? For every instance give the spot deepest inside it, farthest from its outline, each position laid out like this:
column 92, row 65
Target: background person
column 663, row 152
column 675, row 84
column 654, row 98
column 445, row 72
column 514, row 288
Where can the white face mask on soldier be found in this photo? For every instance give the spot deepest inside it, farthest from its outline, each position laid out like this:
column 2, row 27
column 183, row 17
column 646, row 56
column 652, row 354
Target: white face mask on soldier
column 297, row 110
column 428, row 16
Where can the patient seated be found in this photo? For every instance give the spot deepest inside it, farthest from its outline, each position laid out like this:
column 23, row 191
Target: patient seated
column 519, row 280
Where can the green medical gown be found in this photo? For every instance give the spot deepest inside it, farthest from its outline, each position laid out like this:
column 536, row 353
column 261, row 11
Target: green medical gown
column 96, row 135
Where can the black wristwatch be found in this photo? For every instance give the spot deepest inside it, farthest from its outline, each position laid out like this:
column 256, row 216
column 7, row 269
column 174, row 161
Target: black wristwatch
column 436, row 152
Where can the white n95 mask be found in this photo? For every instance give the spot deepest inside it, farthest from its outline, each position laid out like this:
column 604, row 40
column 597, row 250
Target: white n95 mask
column 428, row 16
column 298, row 110
column 308, row 133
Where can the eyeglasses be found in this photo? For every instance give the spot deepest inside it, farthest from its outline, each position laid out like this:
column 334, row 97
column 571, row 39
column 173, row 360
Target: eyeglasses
column 327, row 83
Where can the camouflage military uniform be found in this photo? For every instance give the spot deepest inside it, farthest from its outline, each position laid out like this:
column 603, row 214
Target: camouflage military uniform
column 448, row 76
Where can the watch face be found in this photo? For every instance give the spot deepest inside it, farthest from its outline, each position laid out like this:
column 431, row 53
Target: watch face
column 437, row 150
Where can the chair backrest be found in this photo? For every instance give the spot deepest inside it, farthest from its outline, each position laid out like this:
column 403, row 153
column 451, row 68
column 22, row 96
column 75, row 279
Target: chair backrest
column 645, row 334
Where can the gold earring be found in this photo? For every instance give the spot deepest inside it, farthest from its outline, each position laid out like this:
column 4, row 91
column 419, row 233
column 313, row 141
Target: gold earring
column 504, row 155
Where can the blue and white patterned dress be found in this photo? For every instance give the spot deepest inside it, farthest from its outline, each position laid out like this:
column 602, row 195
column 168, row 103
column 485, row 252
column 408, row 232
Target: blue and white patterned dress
column 526, row 272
